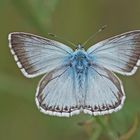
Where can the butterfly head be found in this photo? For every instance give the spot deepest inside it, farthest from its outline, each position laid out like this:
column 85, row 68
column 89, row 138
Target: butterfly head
column 79, row 47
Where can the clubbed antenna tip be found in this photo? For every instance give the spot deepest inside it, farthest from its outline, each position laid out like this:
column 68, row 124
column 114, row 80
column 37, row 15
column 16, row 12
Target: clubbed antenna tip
column 103, row 27
column 92, row 36
column 60, row 38
column 51, row 34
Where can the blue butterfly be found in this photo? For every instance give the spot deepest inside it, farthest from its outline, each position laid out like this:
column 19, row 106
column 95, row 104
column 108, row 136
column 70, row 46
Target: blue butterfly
column 77, row 80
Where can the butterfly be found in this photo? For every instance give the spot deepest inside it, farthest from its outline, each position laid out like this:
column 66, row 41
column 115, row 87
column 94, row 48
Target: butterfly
column 77, row 80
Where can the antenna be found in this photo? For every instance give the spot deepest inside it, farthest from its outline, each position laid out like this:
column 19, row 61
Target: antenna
column 92, row 36
column 58, row 37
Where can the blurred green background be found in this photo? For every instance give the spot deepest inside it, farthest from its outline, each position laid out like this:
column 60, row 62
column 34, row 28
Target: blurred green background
column 74, row 20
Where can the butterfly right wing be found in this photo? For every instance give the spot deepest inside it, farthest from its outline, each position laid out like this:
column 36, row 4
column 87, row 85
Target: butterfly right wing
column 104, row 91
column 119, row 54
column 36, row 55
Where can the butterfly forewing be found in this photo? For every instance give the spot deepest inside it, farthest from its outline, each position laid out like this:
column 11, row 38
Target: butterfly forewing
column 37, row 55
column 120, row 54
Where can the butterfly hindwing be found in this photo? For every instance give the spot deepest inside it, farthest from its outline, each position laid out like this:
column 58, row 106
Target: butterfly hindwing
column 104, row 93
column 57, row 93
column 61, row 92
column 36, row 55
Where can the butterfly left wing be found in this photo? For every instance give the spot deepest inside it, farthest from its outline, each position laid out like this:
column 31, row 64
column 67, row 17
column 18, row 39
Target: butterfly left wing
column 119, row 54
column 57, row 93
column 36, row 55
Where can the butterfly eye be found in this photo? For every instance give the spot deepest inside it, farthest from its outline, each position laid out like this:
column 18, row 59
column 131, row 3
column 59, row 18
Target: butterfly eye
column 89, row 64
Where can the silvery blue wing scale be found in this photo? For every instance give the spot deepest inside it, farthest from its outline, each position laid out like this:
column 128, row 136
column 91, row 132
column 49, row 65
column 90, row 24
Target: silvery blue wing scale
column 77, row 81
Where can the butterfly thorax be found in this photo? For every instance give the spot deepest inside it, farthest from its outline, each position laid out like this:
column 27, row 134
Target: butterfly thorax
column 80, row 61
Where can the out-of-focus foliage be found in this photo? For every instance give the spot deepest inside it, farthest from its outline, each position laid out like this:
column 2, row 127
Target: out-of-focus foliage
column 75, row 20
column 37, row 12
